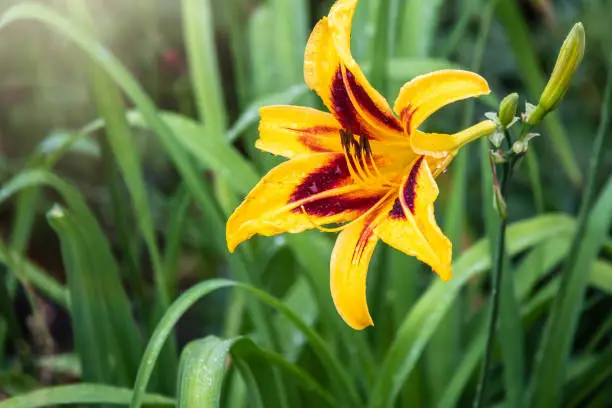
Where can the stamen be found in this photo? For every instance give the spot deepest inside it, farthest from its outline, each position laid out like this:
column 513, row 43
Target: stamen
column 360, row 161
column 359, row 164
column 347, row 155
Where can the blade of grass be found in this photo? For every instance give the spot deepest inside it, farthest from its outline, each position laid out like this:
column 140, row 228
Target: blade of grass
column 517, row 33
column 247, row 351
column 131, row 87
column 198, row 32
column 201, row 372
column 313, row 252
column 337, row 373
column 32, row 274
column 179, row 211
column 591, row 233
column 289, row 41
column 222, row 159
column 529, row 313
column 425, row 316
column 94, row 268
column 417, row 27
column 121, row 141
column 468, row 10
column 90, row 318
column 199, row 190
column 81, row 394
column 442, row 354
column 247, row 354
column 601, row 273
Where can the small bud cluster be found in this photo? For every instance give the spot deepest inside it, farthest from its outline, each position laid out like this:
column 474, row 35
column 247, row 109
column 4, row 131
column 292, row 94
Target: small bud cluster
column 513, row 149
column 569, row 59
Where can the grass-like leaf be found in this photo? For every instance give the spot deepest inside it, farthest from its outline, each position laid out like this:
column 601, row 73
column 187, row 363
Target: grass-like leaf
column 425, row 316
column 79, row 394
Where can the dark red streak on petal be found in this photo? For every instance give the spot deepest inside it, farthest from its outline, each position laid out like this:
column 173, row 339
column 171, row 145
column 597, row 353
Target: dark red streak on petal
column 312, row 143
column 343, row 107
column 308, row 136
column 397, row 212
column 315, row 130
column 408, row 191
column 334, row 174
column 330, row 206
column 367, row 232
column 406, row 116
column 364, row 100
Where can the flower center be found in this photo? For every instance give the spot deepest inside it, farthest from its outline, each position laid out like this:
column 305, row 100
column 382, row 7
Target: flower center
column 361, row 162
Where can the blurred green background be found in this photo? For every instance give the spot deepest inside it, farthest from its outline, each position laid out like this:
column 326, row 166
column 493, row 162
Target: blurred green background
column 117, row 175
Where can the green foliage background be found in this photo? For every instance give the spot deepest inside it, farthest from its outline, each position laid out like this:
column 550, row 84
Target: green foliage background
column 126, row 139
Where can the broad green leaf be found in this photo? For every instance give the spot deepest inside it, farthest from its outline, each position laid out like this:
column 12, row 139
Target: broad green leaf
column 591, row 233
column 220, row 157
column 126, row 157
column 562, row 323
column 90, row 265
column 425, row 316
column 337, row 373
column 132, row 88
column 258, row 362
column 417, row 27
column 201, row 372
column 79, row 394
column 101, row 337
column 601, row 276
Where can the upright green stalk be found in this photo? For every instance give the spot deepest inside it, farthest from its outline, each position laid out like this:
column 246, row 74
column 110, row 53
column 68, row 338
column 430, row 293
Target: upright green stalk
column 443, row 351
column 496, row 286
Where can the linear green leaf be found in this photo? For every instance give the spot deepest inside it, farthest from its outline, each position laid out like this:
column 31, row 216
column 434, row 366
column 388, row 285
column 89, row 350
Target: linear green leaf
column 421, row 322
column 591, row 233
column 89, row 253
column 82, row 394
column 198, row 32
column 188, row 298
column 201, row 372
column 219, row 157
column 32, row 274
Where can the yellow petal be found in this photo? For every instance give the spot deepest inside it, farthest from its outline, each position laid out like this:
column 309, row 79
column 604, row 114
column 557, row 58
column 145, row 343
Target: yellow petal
column 296, row 195
column 291, row 131
column 410, row 225
column 321, row 62
column 348, row 271
column 425, row 94
column 331, row 71
column 439, row 145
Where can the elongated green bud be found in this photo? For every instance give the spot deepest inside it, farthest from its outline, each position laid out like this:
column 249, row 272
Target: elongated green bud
column 569, row 59
column 507, row 109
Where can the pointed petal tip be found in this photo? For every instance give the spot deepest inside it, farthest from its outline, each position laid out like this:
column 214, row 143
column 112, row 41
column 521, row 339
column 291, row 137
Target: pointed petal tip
column 231, row 243
column 445, row 273
column 357, row 322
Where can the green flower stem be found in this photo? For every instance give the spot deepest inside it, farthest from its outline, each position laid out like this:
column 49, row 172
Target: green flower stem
column 496, row 285
column 498, row 269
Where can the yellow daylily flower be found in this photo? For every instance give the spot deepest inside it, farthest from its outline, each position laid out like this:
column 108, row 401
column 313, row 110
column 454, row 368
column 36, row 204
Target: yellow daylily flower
column 360, row 164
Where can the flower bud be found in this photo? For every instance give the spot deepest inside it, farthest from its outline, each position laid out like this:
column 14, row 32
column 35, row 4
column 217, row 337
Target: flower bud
column 521, row 145
column 507, row 109
column 569, row 59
